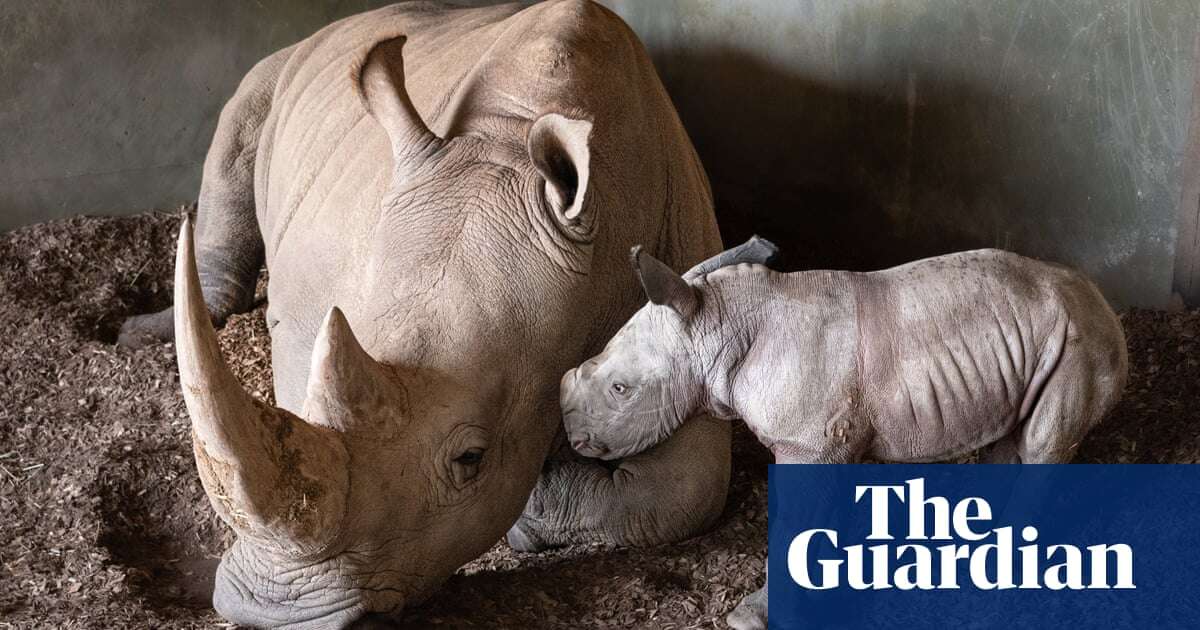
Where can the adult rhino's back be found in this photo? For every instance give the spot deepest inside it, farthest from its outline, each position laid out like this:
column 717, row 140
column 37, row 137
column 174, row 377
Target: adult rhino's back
column 325, row 167
column 322, row 158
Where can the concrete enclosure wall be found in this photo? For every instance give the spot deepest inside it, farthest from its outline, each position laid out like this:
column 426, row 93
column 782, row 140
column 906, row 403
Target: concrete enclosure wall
column 856, row 133
column 864, row 133
column 109, row 106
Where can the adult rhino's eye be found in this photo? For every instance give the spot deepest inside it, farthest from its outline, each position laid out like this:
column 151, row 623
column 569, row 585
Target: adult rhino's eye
column 620, row 388
column 466, row 465
column 470, row 457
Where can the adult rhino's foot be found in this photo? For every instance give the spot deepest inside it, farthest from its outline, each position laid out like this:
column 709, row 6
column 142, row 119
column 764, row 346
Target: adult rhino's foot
column 751, row 613
column 537, row 529
column 140, row 331
column 673, row 491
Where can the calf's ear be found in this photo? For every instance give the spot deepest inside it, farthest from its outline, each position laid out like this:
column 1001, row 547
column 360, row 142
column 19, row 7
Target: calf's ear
column 663, row 286
column 559, row 149
column 757, row 250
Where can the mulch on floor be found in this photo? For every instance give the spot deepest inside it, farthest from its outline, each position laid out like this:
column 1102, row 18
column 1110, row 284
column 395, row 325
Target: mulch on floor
column 105, row 524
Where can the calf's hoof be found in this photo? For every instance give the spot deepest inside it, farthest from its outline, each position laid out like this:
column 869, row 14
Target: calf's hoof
column 523, row 537
column 751, row 614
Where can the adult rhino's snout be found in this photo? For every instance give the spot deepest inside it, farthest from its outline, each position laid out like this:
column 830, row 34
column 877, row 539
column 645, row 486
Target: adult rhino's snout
column 262, row 590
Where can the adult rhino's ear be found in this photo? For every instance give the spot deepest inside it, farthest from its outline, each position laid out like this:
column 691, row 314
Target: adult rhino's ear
column 663, row 286
column 559, row 149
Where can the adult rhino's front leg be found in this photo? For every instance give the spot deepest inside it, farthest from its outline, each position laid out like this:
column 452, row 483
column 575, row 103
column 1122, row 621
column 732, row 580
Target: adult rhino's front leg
column 229, row 247
column 673, row 491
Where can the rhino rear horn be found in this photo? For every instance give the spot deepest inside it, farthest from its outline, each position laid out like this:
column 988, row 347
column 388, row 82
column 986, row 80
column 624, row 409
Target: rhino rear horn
column 381, row 87
column 347, row 389
column 268, row 474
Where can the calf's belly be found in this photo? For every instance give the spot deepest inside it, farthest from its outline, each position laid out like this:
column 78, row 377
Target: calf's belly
column 930, row 421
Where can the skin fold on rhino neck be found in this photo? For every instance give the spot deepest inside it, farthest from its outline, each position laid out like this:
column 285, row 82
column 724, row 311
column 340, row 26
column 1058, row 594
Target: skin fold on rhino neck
column 741, row 306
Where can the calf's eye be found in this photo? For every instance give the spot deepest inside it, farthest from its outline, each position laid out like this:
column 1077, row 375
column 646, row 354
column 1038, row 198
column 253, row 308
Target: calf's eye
column 619, row 388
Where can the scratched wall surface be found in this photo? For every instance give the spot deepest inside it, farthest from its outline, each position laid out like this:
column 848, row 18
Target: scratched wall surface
column 857, row 133
column 863, row 133
column 109, row 106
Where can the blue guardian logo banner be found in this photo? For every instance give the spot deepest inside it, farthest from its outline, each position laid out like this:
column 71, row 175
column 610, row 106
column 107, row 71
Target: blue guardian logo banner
column 980, row 546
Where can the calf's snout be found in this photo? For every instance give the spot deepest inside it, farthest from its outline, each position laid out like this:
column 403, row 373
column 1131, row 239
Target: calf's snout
column 575, row 420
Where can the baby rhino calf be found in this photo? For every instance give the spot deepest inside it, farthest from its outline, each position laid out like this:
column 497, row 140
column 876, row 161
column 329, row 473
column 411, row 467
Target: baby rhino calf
column 922, row 362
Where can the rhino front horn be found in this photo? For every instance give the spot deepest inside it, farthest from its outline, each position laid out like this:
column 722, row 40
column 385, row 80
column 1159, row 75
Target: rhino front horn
column 269, row 475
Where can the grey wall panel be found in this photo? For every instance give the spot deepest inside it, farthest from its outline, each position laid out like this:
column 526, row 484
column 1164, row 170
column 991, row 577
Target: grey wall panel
column 857, row 133
column 862, row 133
column 109, row 106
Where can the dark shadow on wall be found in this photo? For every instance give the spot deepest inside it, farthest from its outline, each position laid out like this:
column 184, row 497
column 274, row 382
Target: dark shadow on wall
column 844, row 178
column 871, row 133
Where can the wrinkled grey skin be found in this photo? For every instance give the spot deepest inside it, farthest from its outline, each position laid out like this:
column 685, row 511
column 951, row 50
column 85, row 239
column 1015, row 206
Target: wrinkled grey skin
column 918, row 363
column 467, row 200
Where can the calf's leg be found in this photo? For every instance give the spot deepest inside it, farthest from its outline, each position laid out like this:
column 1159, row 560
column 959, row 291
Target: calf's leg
column 751, row 612
column 1084, row 387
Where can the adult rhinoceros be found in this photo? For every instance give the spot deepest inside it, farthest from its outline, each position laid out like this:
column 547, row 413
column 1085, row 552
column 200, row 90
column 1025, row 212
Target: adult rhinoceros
column 467, row 212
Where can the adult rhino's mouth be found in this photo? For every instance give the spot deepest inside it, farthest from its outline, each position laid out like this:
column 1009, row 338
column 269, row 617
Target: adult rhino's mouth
column 253, row 591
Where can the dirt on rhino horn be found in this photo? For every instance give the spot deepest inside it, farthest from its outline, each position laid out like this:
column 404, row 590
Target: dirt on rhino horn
column 270, row 475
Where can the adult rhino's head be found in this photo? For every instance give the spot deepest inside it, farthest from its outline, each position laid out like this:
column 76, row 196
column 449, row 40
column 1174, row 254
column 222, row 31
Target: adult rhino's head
column 650, row 377
column 415, row 417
